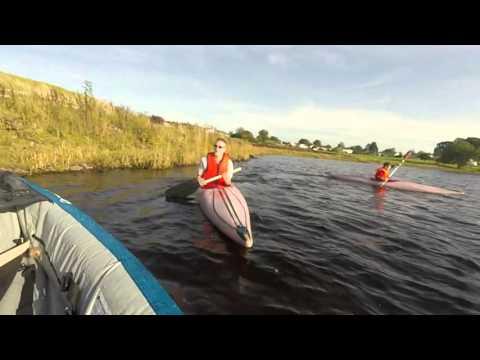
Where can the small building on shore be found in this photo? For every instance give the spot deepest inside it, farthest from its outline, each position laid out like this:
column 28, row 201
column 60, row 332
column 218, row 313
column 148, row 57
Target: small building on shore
column 154, row 119
column 472, row 162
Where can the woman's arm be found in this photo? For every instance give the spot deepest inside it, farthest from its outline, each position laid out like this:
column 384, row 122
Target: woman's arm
column 201, row 169
column 227, row 177
column 202, row 166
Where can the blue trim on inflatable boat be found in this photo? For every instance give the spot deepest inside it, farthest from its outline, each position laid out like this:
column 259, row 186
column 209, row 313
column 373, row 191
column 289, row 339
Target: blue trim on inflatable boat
column 156, row 296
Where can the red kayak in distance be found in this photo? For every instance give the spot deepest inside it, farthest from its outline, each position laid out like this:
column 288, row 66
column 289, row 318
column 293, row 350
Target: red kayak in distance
column 397, row 184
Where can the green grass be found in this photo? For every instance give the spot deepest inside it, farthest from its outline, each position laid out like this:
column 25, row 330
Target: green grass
column 44, row 128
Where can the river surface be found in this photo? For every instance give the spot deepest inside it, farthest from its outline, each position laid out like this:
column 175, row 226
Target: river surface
column 321, row 246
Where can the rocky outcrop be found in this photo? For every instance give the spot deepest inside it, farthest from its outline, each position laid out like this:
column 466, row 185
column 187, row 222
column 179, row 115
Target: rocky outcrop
column 81, row 167
column 15, row 171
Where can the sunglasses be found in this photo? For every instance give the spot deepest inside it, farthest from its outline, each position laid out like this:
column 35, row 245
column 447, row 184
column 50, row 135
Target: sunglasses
column 218, row 146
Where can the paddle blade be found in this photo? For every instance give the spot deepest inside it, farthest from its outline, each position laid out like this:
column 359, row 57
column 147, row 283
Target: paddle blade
column 182, row 190
column 187, row 188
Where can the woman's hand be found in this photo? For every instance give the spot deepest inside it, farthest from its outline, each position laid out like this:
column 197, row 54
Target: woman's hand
column 227, row 179
column 201, row 181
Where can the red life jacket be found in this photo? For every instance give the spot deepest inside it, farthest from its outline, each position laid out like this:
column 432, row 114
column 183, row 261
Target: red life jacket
column 382, row 174
column 214, row 169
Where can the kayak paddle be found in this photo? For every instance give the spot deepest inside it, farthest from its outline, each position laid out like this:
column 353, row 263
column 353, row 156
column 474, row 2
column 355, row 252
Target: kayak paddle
column 407, row 155
column 188, row 187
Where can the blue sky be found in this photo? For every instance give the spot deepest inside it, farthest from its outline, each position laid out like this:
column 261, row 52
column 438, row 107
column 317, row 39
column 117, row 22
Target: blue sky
column 399, row 96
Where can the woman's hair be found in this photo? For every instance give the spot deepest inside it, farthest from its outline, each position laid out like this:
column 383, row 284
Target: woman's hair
column 386, row 164
column 221, row 139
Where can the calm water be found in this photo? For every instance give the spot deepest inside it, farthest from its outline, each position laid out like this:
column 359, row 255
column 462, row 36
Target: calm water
column 322, row 246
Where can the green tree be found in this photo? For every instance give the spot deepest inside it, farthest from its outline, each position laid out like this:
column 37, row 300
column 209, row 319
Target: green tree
column 441, row 148
column 262, row 136
column 275, row 140
column 341, row 145
column 241, row 133
column 247, row 135
column 372, row 148
column 459, row 152
column 389, row 152
column 317, row 143
column 357, row 149
column 422, row 155
column 236, row 133
column 304, row 141
column 474, row 141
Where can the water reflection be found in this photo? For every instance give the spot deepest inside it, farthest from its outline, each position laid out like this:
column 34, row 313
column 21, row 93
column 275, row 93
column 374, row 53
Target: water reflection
column 208, row 242
column 379, row 198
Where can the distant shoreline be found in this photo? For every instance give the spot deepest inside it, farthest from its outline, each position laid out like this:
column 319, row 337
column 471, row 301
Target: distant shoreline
column 361, row 158
column 261, row 151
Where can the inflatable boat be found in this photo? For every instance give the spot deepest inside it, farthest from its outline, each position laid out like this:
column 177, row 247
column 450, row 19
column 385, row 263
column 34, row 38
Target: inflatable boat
column 55, row 259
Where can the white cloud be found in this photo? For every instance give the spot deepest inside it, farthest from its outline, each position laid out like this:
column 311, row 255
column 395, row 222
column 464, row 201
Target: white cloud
column 268, row 48
column 78, row 77
column 375, row 82
column 233, row 51
column 352, row 126
column 386, row 78
column 278, row 55
column 329, row 57
column 277, row 59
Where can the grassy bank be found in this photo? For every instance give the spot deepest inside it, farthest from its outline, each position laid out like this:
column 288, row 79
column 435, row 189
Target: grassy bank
column 45, row 128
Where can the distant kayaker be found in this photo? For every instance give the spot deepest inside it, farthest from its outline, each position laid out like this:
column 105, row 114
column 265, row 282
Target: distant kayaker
column 216, row 163
column 383, row 173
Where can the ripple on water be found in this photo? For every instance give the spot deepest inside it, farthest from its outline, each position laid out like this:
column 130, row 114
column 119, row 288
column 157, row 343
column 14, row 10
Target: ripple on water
column 322, row 246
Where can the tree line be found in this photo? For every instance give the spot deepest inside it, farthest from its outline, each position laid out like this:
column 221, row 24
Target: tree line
column 459, row 152
column 264, row 138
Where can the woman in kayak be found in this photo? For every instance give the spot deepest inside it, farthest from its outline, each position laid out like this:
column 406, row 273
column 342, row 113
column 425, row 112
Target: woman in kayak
column 383, row 173
column 216, row 163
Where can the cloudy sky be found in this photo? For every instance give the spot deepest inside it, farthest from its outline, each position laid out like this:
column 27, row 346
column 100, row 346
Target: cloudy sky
column 407, row 97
